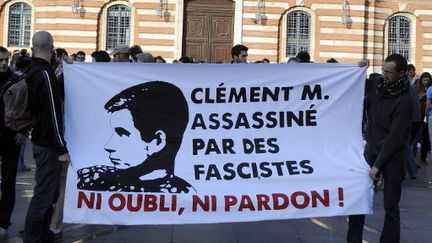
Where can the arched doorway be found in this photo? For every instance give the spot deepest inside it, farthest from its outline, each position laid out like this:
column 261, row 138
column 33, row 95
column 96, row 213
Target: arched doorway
column 208, row 30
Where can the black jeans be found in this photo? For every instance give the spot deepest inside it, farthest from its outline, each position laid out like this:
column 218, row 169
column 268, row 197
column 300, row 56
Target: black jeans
column 46, row 192
column 9, row 152
column 392, row 173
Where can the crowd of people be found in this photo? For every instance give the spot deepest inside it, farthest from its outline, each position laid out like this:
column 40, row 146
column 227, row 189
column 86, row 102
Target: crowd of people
column 396, row 122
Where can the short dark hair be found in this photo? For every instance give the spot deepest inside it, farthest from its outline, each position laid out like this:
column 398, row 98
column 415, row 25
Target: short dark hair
column 60, row 52
column 411, row 67
column 101, row 56
column 237, row 49
column 23, row 52
column 303, row 56
column 160, row 58
column 135, row 49
column 332, row 60
column 22, row 62
column 3, row 50
column 399, row 60
column 185, row 59
column 81, row 53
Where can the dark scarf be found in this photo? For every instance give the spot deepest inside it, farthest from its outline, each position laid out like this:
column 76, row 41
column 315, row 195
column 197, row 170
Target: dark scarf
column 386, row 90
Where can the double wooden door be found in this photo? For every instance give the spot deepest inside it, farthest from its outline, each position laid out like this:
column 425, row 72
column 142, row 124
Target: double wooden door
column 208, row 30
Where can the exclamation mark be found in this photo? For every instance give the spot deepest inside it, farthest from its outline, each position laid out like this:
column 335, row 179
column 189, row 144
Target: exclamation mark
column 341, row 197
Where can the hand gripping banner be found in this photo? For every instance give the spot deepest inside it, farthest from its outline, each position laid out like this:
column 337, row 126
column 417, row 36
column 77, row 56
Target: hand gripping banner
column 207, row 143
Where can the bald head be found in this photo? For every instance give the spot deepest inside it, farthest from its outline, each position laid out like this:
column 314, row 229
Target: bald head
column 42, row 45
column 42, row 42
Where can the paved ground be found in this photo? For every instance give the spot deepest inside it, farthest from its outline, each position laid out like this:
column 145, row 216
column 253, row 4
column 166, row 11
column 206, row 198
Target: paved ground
column 416, row 216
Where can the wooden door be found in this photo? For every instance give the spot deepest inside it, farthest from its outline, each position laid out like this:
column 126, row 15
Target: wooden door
column 208, row 30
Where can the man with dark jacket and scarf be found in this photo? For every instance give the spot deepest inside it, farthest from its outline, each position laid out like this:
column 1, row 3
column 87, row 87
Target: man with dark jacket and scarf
column 49, row 147
column 9, row 151
column 389, row 117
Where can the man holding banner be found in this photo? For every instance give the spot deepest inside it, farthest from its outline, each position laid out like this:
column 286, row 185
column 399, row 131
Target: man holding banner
column 389, row 115
column 49, row 147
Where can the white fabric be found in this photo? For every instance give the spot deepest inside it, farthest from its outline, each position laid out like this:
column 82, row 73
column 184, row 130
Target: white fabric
column 332, row 142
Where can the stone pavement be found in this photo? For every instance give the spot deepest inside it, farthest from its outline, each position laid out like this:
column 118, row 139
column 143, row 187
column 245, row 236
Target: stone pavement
column 416, row 218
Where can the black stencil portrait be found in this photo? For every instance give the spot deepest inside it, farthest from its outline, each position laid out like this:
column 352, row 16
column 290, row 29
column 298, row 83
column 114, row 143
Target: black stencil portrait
column 148, row 122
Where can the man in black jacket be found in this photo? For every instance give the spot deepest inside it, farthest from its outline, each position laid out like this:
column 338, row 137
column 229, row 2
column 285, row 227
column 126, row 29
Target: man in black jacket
column 389, row 117
column 49, row 147
column 9, row 151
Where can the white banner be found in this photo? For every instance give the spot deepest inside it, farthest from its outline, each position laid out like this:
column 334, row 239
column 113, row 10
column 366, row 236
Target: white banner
column 174, row 144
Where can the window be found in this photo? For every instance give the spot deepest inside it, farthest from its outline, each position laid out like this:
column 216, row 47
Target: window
column 399, row 36
column 298, row 33
column 117, row 28
column 19, row 31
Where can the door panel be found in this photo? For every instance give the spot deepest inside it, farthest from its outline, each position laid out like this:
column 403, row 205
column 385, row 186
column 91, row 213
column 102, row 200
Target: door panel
column 220, row 52
column 221, row 27
column 197, row 49
column 208, row 30
column 196, row 27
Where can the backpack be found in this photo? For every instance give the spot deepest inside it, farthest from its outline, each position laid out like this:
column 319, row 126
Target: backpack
column 17, row 115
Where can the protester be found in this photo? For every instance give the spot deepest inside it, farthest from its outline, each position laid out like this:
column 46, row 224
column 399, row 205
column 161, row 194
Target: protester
column 410, row 163
column 61, row 56
column 73, row 57
column 428, row 114
column 80, row 56
column 423, row 85
column 184, row 59
column 134, row 50
column 412, row 76
column 304, row 57
column 389, row 114
column 332, row 60
column 21, row 66
column 100, row 56
column 57, row 218
column 120, row 53
column 144, row 57
column 293, row 60
column 13, row 60
column 239, row 54
column 9, row 151
column 49, row 147
column 160, row 59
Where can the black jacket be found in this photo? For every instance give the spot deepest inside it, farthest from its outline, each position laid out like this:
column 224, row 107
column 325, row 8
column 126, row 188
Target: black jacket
column 4, row 78
column 46, row 105
column 388, row 125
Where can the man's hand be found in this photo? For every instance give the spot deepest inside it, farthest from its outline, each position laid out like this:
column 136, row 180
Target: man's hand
column 373, row 174
column 20, row 138
column 64, row 157
column 363, row 63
